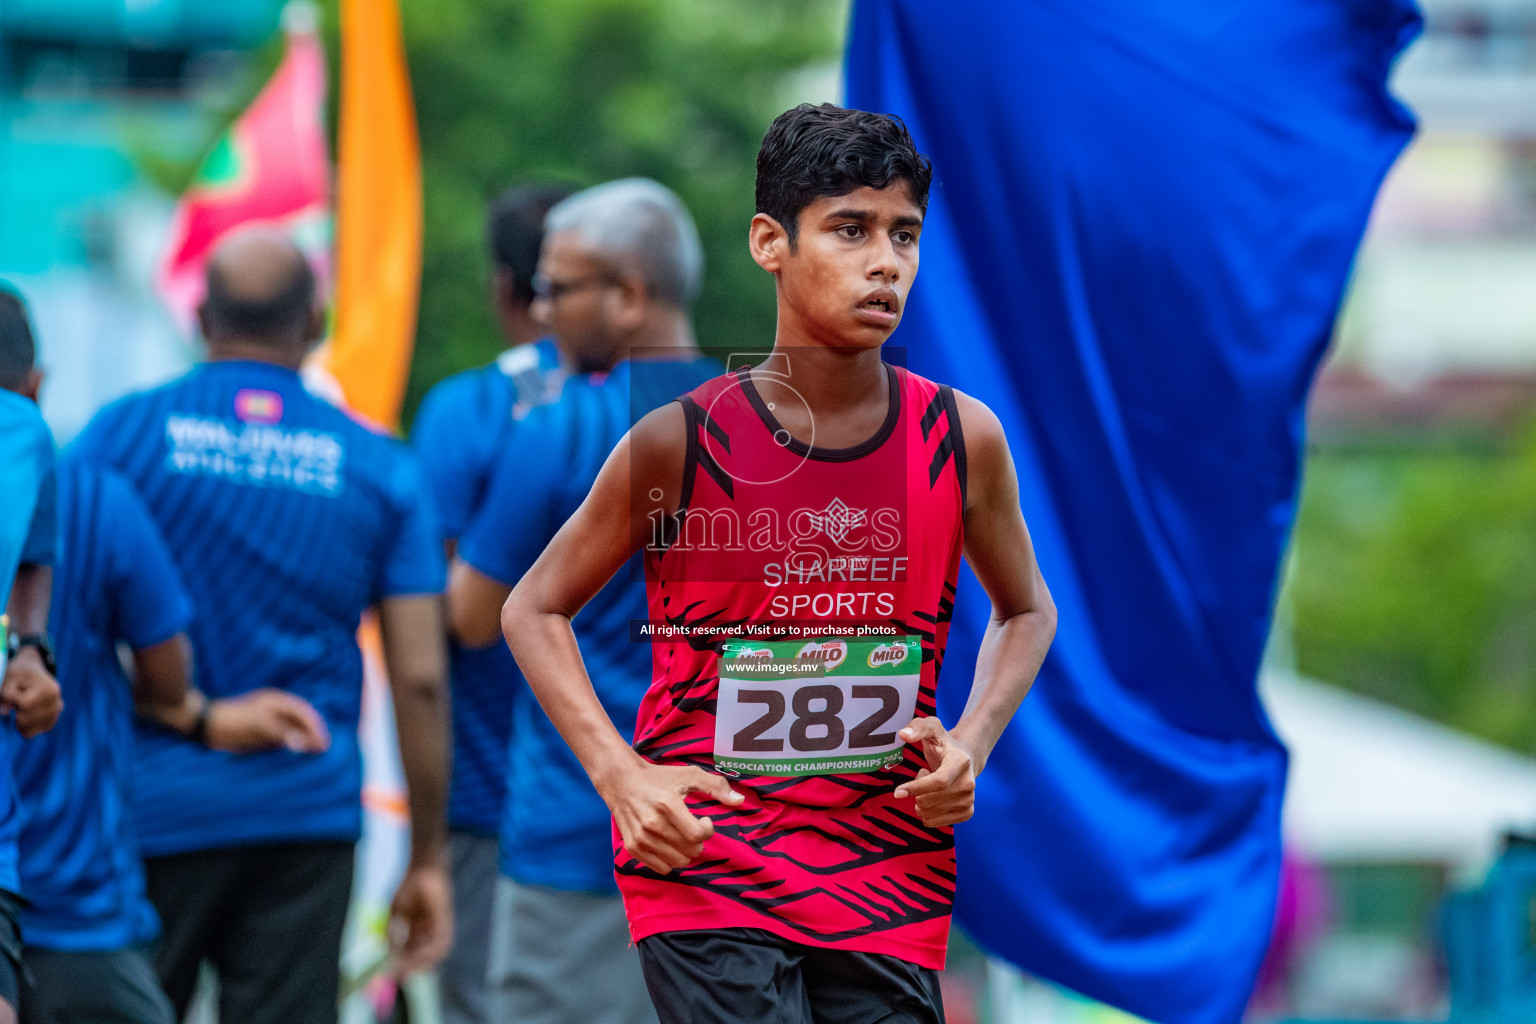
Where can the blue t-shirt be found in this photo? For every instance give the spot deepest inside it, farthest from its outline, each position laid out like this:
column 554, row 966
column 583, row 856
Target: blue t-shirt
column 461, row 425
column 27, row 534
column 286, row 520
column 114, row 581
column 555, row 829
column 28, row 516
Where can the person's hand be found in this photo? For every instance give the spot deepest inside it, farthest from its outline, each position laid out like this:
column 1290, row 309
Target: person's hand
column 657, row 828
column 946, row 789
column 266, row 719
column 420, row 920
column 30, row 693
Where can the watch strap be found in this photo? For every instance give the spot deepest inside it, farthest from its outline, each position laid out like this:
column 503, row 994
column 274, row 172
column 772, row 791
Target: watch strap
column 38, row 641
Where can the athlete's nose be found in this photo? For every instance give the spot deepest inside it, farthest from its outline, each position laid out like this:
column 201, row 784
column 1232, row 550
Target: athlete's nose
column 883, row 262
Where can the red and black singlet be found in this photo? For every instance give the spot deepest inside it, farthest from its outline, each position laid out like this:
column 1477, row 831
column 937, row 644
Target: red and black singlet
column 780, row 540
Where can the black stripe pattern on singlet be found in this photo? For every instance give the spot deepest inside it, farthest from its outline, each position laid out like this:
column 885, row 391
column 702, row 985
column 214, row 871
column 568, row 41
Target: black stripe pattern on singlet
column 699, row 454
column 951, row 445
column 931, row 414
column 957, row 436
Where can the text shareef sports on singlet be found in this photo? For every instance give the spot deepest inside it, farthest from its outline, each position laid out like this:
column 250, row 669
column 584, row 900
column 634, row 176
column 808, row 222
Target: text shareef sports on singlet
column 822, row 707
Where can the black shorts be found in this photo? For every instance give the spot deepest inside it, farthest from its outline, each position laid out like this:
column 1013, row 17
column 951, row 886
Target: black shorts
column 10, row 947
column 268, row 918
column 749, row 976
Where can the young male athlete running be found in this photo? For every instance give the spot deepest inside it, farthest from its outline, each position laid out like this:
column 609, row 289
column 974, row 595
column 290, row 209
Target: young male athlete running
column 814, row 510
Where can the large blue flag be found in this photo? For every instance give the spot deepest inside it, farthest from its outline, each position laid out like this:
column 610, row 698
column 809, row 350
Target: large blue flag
column 1143, row 219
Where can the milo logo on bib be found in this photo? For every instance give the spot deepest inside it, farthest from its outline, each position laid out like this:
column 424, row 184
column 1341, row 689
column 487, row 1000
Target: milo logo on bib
column 829, row 652
column 823, row 707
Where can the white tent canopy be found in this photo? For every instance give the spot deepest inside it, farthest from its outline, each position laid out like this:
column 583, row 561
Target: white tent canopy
column 1370, row 782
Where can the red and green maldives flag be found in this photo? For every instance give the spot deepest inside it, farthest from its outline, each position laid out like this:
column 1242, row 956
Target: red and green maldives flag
column 270, row 167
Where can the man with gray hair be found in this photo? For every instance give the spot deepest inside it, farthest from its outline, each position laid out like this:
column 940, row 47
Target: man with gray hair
column 620, row 265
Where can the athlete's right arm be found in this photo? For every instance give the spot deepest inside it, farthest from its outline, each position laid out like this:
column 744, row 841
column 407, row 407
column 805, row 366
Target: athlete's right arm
column 642, row 478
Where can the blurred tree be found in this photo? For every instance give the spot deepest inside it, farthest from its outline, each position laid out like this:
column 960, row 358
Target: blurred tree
column 589, row 90
column 581, row 91
column 1413, row 580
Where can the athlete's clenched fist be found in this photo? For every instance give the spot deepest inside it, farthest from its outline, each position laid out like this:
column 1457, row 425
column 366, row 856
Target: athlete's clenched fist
column 946, row 789
column 653, row 819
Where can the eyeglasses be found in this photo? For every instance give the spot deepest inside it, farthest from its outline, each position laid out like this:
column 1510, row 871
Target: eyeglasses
column 553, row 291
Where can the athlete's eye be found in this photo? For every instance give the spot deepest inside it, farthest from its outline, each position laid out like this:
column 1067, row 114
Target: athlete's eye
column 850, row 231
column 904, row 238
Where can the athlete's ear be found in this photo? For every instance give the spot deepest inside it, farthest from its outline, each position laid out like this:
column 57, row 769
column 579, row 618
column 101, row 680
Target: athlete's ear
column 768, row 242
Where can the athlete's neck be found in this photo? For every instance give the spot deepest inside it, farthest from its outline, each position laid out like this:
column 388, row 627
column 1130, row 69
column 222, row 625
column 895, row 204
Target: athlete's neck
column 830, row 398
column 831, row 380
column 256, row 352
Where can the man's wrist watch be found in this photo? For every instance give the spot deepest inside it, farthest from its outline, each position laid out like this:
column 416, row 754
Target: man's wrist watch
column 38, row 640
column 199, row 731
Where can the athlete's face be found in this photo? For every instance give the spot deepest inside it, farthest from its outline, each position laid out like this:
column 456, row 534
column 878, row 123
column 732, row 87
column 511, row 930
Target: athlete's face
column 845, row 281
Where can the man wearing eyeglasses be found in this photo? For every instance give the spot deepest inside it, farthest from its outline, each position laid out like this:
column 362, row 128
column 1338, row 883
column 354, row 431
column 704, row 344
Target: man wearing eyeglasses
column 464, row 420
column 620, row 266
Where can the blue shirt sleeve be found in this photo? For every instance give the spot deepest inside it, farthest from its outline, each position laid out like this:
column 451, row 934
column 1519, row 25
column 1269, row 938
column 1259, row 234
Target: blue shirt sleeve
column 516, row 520
column 42, row 541
column 149, row 603
column 413, row 558
column 454, row 449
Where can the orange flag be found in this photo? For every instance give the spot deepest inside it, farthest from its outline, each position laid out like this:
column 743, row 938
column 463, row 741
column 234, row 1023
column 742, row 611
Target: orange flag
column 378, row 223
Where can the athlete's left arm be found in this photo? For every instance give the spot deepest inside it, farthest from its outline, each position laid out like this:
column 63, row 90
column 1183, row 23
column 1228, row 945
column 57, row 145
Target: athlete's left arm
column 999, row 551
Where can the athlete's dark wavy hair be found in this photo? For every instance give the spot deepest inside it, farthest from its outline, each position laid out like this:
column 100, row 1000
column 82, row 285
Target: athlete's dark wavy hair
column 815, row 151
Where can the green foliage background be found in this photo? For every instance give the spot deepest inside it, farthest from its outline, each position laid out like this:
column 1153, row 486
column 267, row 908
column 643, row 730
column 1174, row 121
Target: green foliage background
column 1413, row 579
column 589, row 90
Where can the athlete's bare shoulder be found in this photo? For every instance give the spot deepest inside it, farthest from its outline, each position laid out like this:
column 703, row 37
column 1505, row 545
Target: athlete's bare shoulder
column 989, row 465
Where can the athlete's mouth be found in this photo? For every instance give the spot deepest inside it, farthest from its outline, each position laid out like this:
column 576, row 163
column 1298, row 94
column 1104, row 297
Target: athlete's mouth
column 881, row 300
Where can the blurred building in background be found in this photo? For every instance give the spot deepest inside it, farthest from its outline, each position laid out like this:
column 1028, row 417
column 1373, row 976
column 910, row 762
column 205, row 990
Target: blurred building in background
column 1425, row 405
column 1446, row 281
column 96, row 96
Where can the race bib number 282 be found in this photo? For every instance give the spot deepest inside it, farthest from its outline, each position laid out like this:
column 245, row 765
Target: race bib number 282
column 818, row 707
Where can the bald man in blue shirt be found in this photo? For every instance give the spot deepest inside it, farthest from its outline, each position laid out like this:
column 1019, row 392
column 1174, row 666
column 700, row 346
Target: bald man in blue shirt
column 287, row 521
